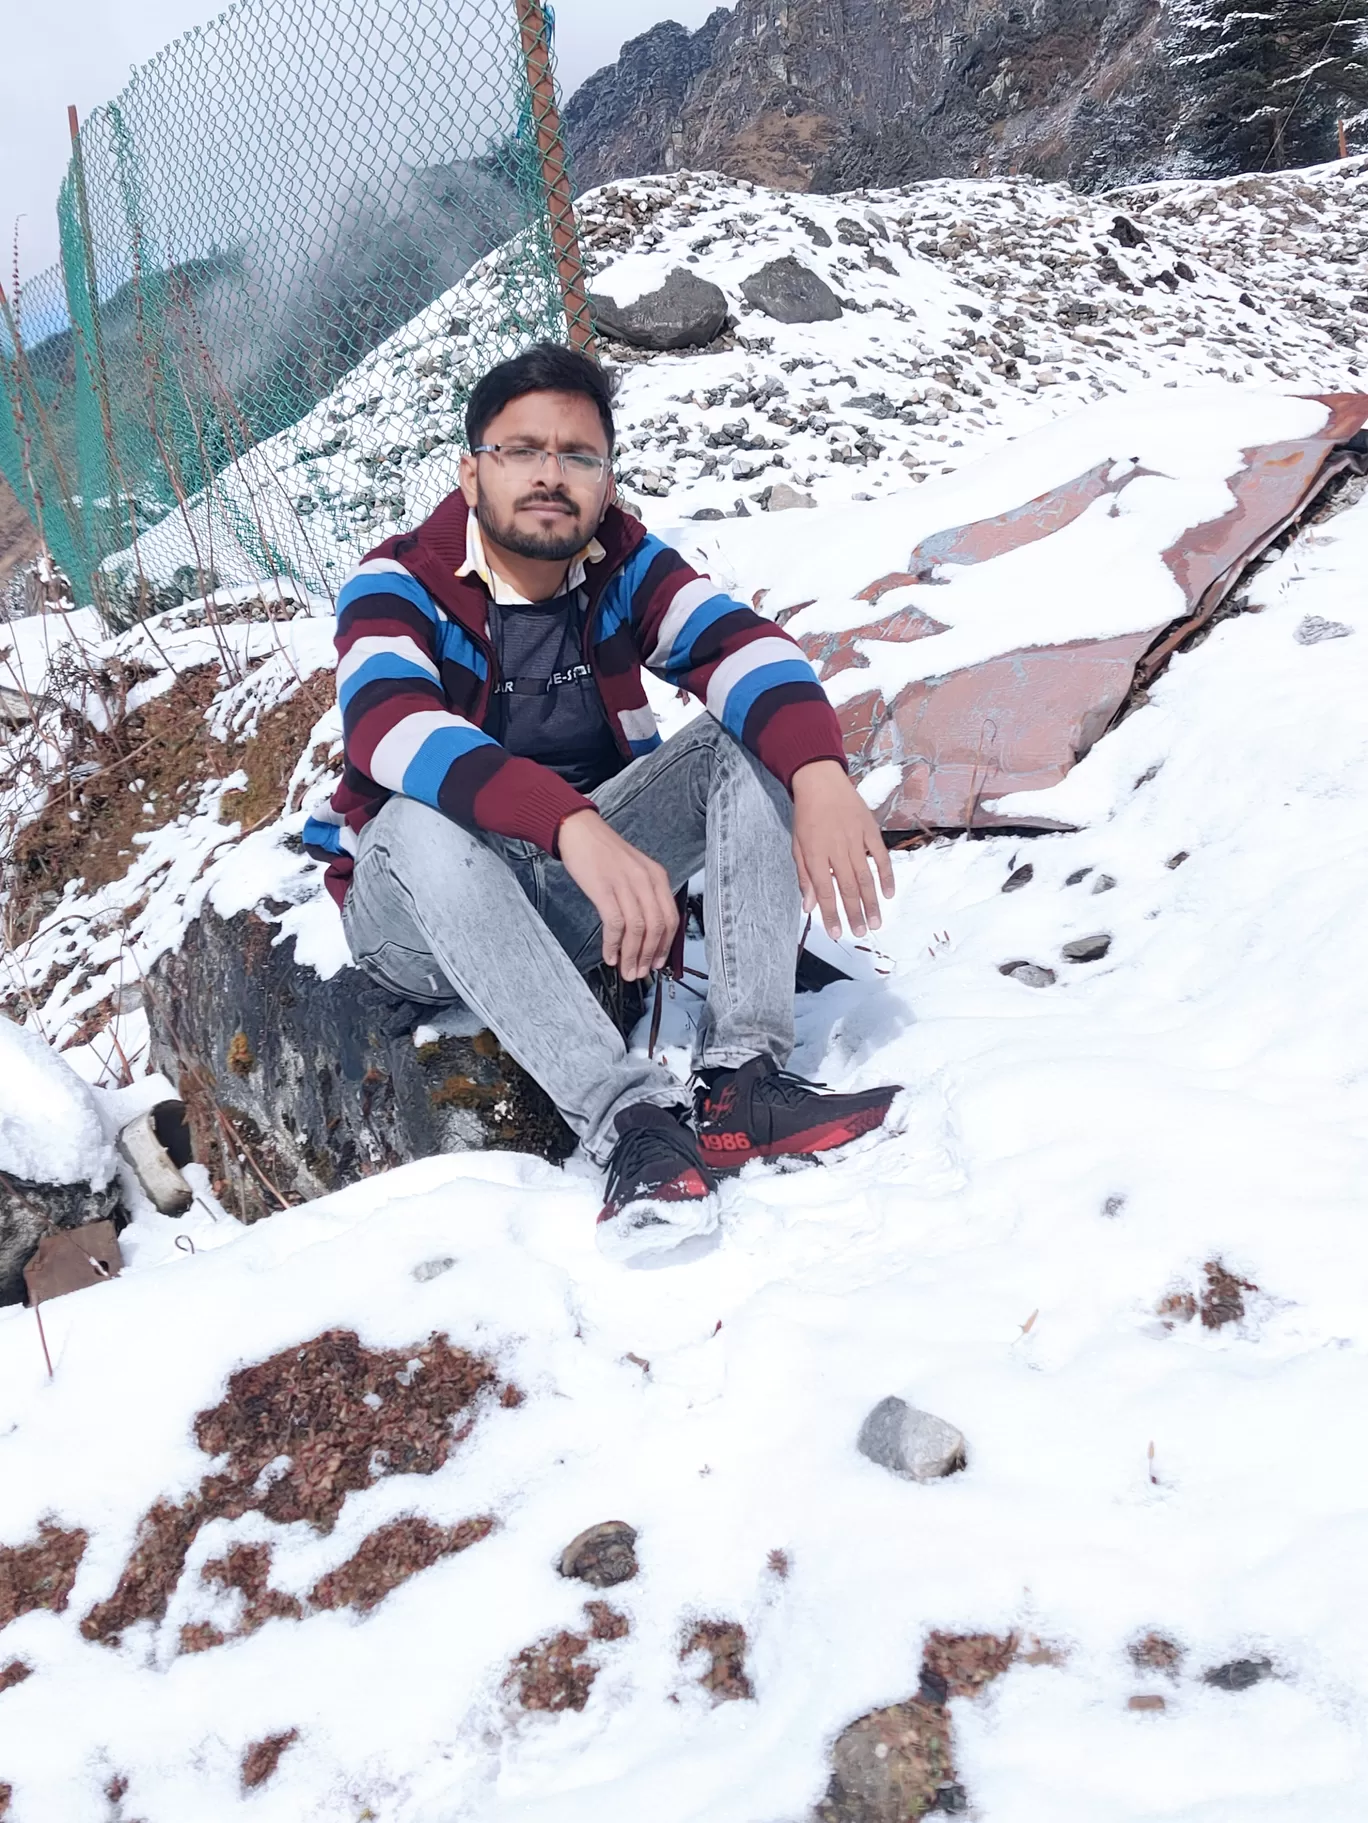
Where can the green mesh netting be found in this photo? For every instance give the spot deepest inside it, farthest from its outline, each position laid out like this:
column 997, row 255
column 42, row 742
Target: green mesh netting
column 273, row 204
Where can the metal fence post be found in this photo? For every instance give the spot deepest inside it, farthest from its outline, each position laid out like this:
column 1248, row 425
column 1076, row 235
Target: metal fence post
column 560, row 204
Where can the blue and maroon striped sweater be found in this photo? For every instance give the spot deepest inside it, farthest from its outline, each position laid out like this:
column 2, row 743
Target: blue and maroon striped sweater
column 414, row 680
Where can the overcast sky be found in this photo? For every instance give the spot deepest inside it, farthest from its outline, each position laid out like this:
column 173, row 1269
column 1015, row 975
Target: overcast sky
column 84, row 54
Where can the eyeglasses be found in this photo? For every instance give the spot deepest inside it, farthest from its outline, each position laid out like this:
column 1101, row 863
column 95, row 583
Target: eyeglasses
column 524, row 462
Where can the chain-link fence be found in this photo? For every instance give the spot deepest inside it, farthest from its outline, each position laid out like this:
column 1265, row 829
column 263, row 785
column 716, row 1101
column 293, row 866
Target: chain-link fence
column 271, row 201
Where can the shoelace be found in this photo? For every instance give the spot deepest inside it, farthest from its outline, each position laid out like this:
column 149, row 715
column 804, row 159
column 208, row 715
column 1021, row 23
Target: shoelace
column 786, row 1086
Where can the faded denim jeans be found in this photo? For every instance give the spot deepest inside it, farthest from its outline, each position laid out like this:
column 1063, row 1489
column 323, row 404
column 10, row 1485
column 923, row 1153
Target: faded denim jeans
column 438, row 915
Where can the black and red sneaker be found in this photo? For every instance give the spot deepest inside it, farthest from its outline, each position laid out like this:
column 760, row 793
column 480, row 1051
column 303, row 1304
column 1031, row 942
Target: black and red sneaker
column 660, row 1192
column 761, row 1111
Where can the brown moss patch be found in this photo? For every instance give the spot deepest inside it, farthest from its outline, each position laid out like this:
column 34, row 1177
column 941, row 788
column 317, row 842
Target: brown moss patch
column 271, row 755
column 1222, row 1299
column 261, row 1759
column 724, row 1676
column 555, row 1674
column 965, row 1662
column 40, row 1574
column 246, row 1568
column 390, row 1556
column 14, row 1673
column 340, row 1417
column 1154, row 1652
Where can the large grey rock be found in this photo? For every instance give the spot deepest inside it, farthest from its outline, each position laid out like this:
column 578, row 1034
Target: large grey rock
column 296, row 1086
column 685, row 312
column 911, row 1443
column 791, row 293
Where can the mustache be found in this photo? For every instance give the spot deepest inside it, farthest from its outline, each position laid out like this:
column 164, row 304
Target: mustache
column 548, row 497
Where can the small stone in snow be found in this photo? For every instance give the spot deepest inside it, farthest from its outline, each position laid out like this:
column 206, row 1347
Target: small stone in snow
column 1142, row 1705
column 783, row 498
column 913, row 1444
column 708, row 512
column 1239, row 1674
column 1314, row 629
column 1022, row 877
column 1029, row 974
column 602, row 1555
column 1087, row 949
column 431, row 1269
column 1177, row 860
column 1076, row 879
column 1103, row 884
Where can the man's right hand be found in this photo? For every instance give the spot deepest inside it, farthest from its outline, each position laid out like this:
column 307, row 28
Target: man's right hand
column 629, row 891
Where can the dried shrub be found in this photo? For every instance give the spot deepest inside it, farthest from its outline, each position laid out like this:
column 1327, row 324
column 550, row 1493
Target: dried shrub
column 1176, row 1307
column 390, row 1556
column 14, row 1673
column 778, row 1564
column 39, row 1574
column 605, row 1622
column 724, row 1641
column 331, row 1417
column 262, row 1758
column 1153, row 1652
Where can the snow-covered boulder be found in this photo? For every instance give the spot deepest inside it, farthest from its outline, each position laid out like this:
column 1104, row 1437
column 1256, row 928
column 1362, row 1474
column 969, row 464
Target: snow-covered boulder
column 57, row 1167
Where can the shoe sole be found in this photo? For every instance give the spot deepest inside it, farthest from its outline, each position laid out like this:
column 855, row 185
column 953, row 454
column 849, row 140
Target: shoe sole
column 825, row 1137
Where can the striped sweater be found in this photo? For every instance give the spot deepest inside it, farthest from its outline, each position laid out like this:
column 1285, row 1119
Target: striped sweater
column 416, row 669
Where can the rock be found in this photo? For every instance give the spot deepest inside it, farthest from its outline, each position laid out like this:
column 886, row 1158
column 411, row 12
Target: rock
column 685, row 312
column 791, row 293
column 602, row 1555
column 1103, row 884
column 1238, row 1674
column 1077, row 878
column 1176, row 861
column 891, row 1765
column 911, row 1443
column 708, row 512
column 782, row 498
column 1029, row 974
column 1022, row 877
column 57, row 1168
column 1149, row 1703
column 1314, row 629
column 1087, row 949
column 307, row 1085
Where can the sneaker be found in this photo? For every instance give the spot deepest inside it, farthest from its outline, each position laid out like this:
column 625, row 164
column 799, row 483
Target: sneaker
column 761, row 1111
column 660, row 1192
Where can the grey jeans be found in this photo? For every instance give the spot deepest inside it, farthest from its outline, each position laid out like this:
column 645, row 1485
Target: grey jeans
column 440, row 915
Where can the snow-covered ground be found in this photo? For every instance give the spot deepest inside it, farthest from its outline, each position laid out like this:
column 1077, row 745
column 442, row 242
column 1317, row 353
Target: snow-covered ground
column 974, row 311
column 1069, row 1158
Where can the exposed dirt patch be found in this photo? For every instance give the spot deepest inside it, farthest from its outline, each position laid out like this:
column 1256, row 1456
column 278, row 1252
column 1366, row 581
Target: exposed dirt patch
column 390, row 1556
column 260, row 1760
column 86, row 829
column 14, row 1673
column 39, row 1574
column 724, row 1676
column 271, row 755
column 300, row 1431
column 555, row 1673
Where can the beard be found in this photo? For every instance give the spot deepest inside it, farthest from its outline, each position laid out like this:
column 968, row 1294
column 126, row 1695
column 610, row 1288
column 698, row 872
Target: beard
column 554, row 545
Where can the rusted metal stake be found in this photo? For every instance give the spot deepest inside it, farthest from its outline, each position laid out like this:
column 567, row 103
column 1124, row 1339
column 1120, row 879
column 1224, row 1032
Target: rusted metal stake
column 43, row 1339
column 560, row 204
column 1343, row 139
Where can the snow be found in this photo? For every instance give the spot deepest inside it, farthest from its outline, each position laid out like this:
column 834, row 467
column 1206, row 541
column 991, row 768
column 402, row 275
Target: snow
column 50, row 1129
column 1207, row 1082
column 1064, row 1158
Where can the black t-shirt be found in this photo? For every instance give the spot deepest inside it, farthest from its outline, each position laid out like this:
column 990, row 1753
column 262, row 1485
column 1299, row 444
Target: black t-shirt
column 545, row 704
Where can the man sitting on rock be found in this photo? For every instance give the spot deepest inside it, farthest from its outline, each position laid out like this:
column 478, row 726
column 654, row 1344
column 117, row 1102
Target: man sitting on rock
column 508, row 817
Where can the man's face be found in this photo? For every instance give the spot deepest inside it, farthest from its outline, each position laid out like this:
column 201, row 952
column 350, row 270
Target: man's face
column 540, row 513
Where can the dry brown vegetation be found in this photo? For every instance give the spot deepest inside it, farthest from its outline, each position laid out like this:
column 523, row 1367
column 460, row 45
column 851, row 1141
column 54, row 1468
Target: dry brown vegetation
column 261, row 1759
column 555, row 1674
column 342, row 1417
column 39, row 1574
column 724, row 1676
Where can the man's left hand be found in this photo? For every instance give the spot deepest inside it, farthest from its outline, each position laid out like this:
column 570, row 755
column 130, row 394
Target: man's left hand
column 835, row 839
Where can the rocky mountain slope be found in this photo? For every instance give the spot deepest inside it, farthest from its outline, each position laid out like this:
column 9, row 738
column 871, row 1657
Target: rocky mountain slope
column 830, row 94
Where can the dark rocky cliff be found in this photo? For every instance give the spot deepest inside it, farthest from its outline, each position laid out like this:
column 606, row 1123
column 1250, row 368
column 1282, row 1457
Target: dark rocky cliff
column 839, row 94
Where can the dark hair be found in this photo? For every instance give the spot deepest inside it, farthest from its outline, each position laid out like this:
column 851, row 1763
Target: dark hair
column 545, row 367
